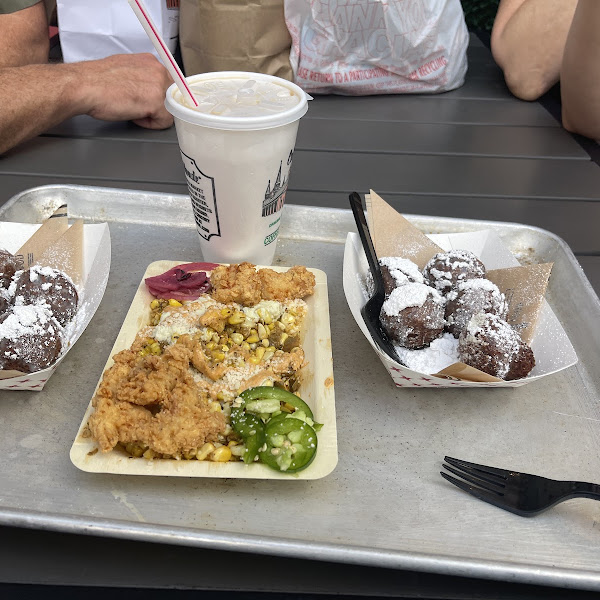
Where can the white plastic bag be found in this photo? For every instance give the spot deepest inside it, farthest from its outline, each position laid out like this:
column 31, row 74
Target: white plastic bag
column 92, row 29
column 363, row 47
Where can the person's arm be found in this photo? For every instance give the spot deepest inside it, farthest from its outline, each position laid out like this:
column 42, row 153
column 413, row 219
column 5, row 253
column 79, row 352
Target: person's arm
column 528, row 42
column 122, row 87
column 580, row 72
column 24, row 39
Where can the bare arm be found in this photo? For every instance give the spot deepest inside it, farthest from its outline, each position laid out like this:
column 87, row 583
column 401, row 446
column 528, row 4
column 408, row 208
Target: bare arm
column 122, row 87
column 24, row 39
column 580, row 72
column 528, row 42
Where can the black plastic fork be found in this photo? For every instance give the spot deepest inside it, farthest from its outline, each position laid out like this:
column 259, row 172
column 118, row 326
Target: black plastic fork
column 370, row 311
column 520, row 493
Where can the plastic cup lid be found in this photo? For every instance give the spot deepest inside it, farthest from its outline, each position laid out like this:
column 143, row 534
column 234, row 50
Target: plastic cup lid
column 173, row 103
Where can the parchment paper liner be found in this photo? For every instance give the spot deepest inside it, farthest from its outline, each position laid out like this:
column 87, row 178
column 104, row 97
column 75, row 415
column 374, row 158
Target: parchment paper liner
column 393, row 235
column 316, row 389
column 81, row 251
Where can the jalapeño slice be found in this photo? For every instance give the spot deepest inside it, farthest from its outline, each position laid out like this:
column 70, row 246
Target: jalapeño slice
column 252, row 431
column 291, row 444
column 265, row 392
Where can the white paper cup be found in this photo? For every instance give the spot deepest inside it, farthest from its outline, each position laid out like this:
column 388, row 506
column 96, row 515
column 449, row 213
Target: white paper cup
column 237, row 170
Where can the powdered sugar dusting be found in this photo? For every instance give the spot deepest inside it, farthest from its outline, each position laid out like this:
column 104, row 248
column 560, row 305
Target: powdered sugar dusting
column 402, row 270
column 31, row 319
column 471, row 297
column 409, row 294
column 484, row 334
column 441, row 353
column 445, row 269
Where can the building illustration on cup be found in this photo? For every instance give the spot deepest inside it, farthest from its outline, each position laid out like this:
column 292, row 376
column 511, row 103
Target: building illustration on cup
column 275, row 198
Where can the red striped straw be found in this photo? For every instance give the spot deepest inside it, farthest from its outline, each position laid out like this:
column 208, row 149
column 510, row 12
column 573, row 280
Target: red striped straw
column 167, row 58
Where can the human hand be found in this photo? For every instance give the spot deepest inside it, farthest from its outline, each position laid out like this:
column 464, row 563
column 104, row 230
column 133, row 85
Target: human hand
column 125, row 87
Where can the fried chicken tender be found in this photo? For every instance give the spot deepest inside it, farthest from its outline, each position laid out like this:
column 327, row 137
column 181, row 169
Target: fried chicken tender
column 236, row 283
column 296, row 282
column 244, row 285
column 154, row 401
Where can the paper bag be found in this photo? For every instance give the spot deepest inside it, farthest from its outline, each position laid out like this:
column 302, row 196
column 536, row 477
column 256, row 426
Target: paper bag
column 240, row 35
column 90, row 29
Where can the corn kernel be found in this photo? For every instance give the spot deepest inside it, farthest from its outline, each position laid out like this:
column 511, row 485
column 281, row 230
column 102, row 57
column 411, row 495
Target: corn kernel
column 252, row 338
column 155, row 348
column 237, row 338
column 175, row 303
column 225, row 312
column 215, row 407
column 211, row 345
column 221, row 454
column 265, row 343
column 204, row 451
column 254, row 360
column 260, row 352
column 154, row 304
column 287, row 319
column 134, row 449
column 246, row 346
column 218, row 356
column 237, row 450
column 268, row 355
column 263, row 332
column 237, row 318
column 225, row 348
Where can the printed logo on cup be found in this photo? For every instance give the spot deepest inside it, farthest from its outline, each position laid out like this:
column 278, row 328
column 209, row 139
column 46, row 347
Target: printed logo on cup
column 204, row 202
column 271, row 237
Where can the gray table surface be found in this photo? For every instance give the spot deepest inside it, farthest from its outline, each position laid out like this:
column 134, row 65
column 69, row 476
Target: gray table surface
column 473, row 153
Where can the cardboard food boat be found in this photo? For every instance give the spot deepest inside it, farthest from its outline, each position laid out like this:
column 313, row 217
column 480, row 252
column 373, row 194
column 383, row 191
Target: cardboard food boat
column 83, row 253
column 523, row 286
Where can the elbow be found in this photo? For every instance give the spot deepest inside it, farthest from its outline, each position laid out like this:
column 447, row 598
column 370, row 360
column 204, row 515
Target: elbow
column 522, row 78
column 581, row 123
column 525, row 86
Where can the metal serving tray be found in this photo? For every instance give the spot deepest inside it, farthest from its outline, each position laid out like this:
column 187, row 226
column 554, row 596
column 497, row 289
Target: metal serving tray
column 385, row 504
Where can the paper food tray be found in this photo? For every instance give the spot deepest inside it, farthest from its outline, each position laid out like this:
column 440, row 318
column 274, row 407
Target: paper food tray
column 551, row 347
column 316, row 389
column 96, row 268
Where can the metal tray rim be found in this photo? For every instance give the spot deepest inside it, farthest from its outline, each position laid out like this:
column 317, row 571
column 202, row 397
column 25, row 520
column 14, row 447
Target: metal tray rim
column 341, row 553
